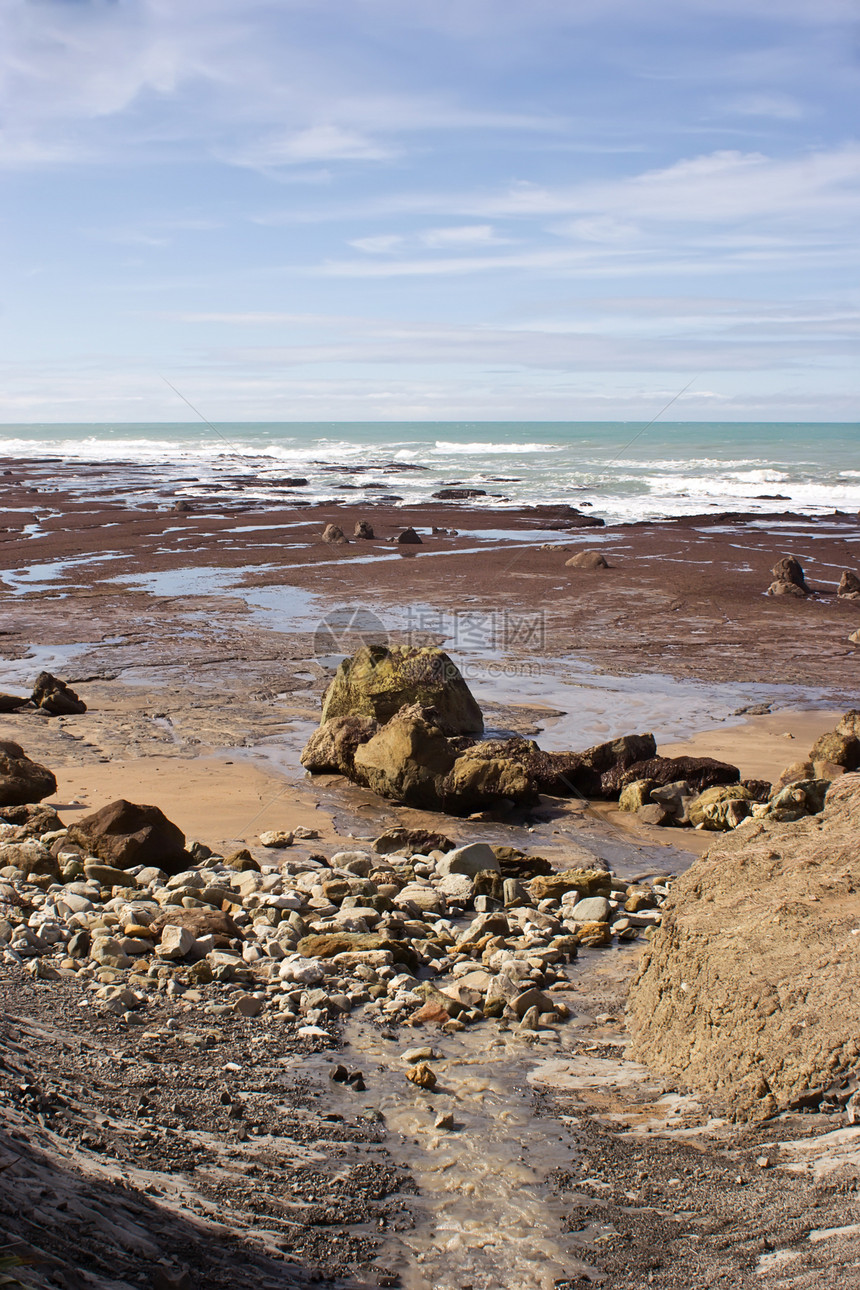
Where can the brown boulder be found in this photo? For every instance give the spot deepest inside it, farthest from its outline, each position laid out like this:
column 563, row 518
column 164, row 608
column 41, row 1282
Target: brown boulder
column 12, row 702
column 201, row 922
column 407, row 760
column 408, row 538
column 325, row 945
column 587, row 560
column 415, row 841
column 789, row 569
column 334, row 535
column 124, row 834
column 849, row 724
column 363, row 529
column 332, row 747
column 22, row 780
column 698, row 772
column 749, row 991
column 32, row 821
column 55, row 697
column 842, row 750
column 478, row 782
column 849, row 585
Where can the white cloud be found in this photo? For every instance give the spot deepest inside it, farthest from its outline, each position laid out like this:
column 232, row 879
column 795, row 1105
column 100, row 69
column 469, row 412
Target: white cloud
column 382, row 244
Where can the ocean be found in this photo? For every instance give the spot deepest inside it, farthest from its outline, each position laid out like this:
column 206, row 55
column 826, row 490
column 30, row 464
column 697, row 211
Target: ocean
column 621, row 471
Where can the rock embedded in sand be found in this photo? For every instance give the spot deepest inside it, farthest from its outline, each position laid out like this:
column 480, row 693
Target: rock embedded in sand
column 849, row 586
column 125, row 834
column 789, row 569
column 22, row 781
column 750, row 990
column 422, row 1075
column 334, row 535
column 378, row 681
column 364, row 530
column 12, row 702
column 587, row 560
column 276, row 839
column 408, row 538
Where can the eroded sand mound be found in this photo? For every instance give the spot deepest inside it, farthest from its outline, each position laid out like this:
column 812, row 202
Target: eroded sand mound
column 750, row 990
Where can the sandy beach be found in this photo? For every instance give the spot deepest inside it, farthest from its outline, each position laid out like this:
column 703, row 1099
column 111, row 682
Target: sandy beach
column 202, row 641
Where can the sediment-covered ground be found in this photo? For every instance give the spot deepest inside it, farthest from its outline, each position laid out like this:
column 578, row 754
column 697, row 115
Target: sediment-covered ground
column 201, row 642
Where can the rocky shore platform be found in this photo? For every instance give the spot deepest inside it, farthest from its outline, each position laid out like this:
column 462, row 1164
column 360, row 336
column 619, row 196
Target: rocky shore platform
column 317, row 1050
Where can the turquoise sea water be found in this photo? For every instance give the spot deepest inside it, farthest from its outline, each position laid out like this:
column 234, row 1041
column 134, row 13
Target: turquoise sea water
column 621, row 470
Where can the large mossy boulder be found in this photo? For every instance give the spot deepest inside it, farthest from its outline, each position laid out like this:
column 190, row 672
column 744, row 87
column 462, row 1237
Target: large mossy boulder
column 380, row 680
column 749, row 991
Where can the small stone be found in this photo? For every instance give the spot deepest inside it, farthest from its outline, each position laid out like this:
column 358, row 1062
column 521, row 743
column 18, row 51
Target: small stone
column 176, row 942
column 249, row 1005
column 594, row 909
column 445, row 1121
column 423, row 1054
column 277, row 839
column 422, row 1075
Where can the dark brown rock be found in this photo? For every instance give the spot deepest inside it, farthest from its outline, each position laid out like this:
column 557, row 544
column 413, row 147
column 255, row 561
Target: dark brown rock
column 699, row 772
column 789, row 569
column 408, row 538
column 517, row 864
column 32, row 820
column 55, row 697
column 12, row 702
column 416, row 841
column 22, row 780
column 125, row 834
column 842, row 750
column 363, row 529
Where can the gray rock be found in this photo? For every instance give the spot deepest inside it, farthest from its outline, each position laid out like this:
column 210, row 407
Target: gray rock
column 594, row 909
column 468, row 860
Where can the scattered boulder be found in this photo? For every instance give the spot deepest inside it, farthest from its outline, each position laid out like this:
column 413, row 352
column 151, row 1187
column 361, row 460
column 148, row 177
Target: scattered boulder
column 408, row 538
column 22, row 780
column 788, row 578
column 125, row 834
column 182, row 507
column 849, row 586
column 334, row 535
column 749, row 992
column 364, row 530
column 478, row 781
column 587, row 560
column 55, row 697
column 470, row 860
column 379, row 680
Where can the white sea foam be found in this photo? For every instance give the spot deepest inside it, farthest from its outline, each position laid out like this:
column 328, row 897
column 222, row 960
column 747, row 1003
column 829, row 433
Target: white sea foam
column 669, row 470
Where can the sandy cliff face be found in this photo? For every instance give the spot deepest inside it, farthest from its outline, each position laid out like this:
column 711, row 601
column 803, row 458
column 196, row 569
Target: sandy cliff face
column 750, row 990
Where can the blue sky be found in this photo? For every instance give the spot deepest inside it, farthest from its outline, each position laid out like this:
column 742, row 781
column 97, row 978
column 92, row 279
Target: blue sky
column 399, row 209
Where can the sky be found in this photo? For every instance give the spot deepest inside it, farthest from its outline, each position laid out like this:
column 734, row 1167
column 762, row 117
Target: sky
column 316, row 210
